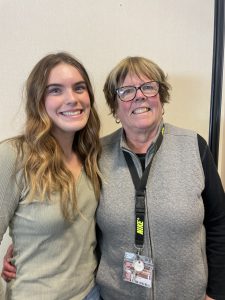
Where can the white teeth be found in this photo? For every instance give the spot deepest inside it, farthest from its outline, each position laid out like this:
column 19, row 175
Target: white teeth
column 141, row 110
column 71, row 113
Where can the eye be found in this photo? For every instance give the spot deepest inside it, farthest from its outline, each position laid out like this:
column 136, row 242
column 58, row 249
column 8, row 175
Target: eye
column 148, row 87
column 54, row 90
column 151, row 86
column 126, row 91
column 80, row 88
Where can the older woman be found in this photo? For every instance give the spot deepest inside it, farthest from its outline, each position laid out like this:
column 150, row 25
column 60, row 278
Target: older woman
column 162, row 211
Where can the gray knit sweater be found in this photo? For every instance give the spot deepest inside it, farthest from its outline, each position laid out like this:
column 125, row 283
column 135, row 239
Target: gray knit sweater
column 174, row 231
column 55, row 260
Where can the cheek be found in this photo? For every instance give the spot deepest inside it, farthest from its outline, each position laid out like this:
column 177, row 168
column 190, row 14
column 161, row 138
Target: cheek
column 123, row 108
column 48, row 103
column 52, row 102
column 156, row 102
column 88, row 104
column 46, row 106
column 50, row 106
column 48, row 110
column 156, row 106
column 85, row 97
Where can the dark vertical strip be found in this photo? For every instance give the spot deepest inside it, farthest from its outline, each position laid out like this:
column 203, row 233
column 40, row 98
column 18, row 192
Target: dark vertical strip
column 217, row 79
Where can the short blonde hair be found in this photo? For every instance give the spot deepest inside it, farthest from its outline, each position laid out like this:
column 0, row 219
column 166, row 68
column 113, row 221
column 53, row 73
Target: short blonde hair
column 139, row 66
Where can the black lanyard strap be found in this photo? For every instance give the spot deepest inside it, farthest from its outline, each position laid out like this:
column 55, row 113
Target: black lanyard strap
column 140, row 188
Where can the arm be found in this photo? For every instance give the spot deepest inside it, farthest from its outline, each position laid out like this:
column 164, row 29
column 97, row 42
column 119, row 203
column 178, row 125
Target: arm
column 10, row 186
column 208, row 298
column 8, row 271
column 214, row 221
column 9, row 190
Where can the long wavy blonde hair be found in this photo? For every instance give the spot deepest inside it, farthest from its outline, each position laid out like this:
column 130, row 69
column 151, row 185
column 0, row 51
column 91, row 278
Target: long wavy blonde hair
column 44, row 170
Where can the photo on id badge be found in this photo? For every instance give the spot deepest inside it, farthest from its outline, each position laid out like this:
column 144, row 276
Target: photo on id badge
column 137, row 269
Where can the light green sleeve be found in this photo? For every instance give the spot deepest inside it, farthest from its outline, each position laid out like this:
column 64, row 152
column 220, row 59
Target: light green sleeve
column 9, row 189
column 1, row 290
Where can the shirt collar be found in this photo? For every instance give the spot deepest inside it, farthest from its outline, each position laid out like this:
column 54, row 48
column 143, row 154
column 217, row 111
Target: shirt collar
column 123, row 143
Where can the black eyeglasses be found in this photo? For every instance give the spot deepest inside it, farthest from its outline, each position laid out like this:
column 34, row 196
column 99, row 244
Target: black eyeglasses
column 128, row 93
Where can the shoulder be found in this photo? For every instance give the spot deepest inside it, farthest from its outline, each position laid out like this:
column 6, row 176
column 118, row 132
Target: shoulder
column 177, row 131
column 110, row 147
column 112, row 138
column 203, row 146
column 184, row 140
column 7, row 149
column 10, row 153
column 8, row 163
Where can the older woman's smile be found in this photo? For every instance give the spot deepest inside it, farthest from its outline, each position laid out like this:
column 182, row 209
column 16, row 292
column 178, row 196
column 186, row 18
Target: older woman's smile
column 141, row 110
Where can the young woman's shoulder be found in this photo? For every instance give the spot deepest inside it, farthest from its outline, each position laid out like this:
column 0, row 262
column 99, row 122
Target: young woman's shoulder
column 9, row 151
column 7, row 148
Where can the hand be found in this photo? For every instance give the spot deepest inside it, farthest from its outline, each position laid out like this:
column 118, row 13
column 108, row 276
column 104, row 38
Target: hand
column 208, row 298
column 8, row 271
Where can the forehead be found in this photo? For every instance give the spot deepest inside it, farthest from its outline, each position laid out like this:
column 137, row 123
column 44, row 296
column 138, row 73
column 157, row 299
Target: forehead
column 64, row 72
column 134, row 79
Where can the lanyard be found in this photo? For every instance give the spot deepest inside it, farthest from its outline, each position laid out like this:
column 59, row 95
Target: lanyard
column 140, row 188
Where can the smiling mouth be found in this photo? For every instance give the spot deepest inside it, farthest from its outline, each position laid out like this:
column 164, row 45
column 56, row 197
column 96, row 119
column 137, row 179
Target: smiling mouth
column 71, row 113
column 141, row 110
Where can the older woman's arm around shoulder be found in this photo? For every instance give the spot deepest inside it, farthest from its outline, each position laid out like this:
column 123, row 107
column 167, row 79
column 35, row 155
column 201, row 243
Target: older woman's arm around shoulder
column 209, row 298
column 8, row 270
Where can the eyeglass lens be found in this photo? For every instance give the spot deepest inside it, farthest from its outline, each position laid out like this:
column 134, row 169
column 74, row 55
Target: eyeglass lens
column 128, row 93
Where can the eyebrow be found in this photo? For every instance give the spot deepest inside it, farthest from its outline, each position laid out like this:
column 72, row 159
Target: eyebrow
column 60, row 85
column 53, row 84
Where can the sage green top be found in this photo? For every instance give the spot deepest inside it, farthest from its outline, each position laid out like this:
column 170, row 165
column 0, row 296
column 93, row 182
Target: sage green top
column 1, row 290
column 54, row 259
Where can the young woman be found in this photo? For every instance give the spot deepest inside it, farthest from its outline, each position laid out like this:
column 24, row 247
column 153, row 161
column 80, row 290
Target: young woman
column 50, row 183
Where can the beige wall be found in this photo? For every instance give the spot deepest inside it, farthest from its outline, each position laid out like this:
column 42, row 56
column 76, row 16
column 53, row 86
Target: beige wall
column 177, row 34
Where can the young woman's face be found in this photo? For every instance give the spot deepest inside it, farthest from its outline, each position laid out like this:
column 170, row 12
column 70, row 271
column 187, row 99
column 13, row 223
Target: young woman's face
column 67, row 101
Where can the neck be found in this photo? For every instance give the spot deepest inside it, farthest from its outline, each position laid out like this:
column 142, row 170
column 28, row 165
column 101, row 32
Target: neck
column 71, row 159
column 140, row 141
column 66, row 142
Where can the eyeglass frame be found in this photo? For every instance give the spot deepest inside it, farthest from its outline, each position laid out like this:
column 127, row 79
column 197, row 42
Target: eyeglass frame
column 137, row 88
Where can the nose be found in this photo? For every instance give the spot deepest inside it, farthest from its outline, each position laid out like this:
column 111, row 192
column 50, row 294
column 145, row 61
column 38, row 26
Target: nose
column 139, row 94
column 71, row 97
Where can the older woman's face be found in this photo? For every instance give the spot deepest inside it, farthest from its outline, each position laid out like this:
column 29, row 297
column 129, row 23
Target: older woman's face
column 142, row 113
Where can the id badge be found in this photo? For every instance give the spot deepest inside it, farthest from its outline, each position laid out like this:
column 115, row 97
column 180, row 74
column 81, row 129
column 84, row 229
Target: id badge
column 138, row 269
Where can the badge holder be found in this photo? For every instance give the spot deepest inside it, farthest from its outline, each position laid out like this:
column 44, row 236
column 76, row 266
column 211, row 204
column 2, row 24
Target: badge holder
column 137, row 269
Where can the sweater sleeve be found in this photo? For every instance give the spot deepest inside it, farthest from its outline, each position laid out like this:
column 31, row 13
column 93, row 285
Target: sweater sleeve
column 9, row 189
column 214, row 221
